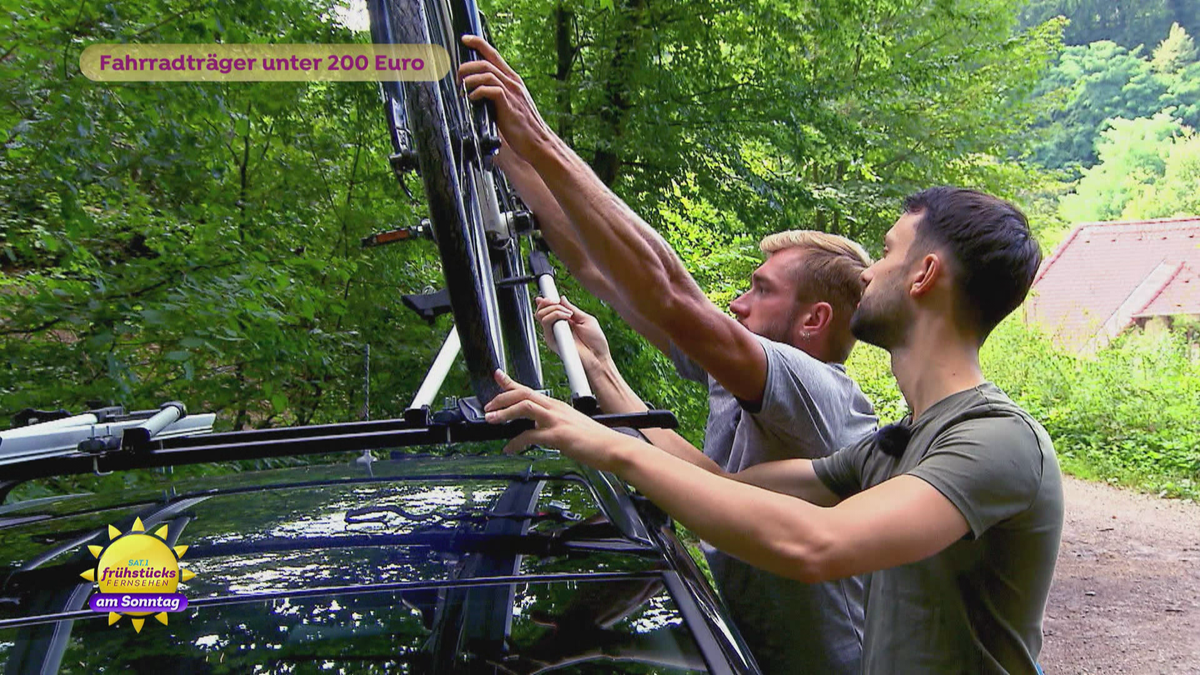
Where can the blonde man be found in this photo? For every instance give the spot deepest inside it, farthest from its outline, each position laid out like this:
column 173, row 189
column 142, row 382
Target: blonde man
column 777, row 385
column 797, row 311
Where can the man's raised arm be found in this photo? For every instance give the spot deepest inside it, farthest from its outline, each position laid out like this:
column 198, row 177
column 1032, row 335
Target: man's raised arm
column 558, row 231
column 902, row 520
column 641, row 268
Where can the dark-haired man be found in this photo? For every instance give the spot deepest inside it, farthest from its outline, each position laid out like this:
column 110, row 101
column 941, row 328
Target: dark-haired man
column 957, row 511
column 959, row 517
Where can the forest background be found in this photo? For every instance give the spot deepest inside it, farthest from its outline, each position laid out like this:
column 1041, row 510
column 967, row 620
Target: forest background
column 200, row 241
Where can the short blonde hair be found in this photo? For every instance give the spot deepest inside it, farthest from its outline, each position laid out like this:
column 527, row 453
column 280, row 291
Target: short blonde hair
column 831, row 244
column 830, row 272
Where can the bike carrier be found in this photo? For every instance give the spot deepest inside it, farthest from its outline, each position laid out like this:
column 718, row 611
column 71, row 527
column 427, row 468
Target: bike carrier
column 95, row 431
column 581, row 392
column 430, row 305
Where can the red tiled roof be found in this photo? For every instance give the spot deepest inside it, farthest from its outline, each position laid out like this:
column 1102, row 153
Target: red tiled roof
column 1105, row 274
column 1180, row 296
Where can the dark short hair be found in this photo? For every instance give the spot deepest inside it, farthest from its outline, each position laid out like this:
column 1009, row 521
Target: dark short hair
column 994, row 256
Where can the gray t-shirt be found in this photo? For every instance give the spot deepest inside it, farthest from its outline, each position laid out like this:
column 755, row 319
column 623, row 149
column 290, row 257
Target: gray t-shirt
column 977, row 606
column 809, row 409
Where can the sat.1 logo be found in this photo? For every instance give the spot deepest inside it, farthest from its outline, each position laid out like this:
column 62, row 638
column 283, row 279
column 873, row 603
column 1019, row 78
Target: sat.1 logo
column 138, row 574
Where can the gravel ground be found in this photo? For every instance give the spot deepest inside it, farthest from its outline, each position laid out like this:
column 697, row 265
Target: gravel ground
column 1126, row 593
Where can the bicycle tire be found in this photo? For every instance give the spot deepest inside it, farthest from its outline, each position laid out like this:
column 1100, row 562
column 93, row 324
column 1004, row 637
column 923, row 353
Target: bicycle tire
column 436, row 122
column 493, row 196
column 513, row 301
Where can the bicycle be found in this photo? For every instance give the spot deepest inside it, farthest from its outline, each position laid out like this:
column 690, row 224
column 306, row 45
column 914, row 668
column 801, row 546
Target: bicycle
column 475, row 218
column 478, row 225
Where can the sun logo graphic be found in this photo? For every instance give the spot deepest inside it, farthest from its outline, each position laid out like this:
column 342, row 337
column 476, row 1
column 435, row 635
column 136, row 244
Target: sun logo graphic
column 138, row 574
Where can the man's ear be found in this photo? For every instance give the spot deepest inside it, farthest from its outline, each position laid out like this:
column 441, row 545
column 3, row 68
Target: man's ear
column 818, row 316
column 927, row 274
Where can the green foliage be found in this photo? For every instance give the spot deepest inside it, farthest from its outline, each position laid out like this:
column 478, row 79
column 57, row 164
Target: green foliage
column 1128, row 412
column 1149, row 168
column 782, row 114
column 1127, row 121
column 147, row 252
column 1184, row 92
column 720, row 122
column 198, row 241
column 1133, row 155
column 1175, row 52
column 1092, row 84
column 1177, row 191
column 871, row 368
column 1130, row 23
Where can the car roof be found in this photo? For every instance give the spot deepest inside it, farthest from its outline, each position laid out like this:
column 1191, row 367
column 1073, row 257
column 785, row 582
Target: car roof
column 386, row 540
column 418, row 503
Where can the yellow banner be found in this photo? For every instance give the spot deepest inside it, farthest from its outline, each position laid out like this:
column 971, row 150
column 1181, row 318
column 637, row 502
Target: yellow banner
column 263, row 63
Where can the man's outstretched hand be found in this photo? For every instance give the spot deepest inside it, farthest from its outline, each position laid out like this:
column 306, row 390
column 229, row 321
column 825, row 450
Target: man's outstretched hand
column 556, row 425
column 493, row 79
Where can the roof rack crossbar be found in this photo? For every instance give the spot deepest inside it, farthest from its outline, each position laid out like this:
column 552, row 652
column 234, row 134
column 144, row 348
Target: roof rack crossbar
column 164, row 450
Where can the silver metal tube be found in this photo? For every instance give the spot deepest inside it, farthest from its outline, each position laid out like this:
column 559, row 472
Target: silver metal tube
column 167, row 415
column 438, row 371
column 565, row 341
column 67, row 439
column 85, row 419
column 170, row 413
column 192, row 424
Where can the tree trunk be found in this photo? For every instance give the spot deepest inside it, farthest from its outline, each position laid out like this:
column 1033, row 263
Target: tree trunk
column 565, row 51
column 606, row 161
column 239, row 422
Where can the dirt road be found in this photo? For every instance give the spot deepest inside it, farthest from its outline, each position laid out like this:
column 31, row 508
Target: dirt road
column 1126, row 594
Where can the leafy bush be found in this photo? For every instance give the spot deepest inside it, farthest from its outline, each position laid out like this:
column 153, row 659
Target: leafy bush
column 1127, row 414
column 871, row 368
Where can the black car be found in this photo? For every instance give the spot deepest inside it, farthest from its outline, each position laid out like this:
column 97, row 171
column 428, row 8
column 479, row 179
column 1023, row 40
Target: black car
column 469, row 563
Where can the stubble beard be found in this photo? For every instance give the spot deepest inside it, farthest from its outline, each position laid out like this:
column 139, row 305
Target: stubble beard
column 880, row 321
column 779, row 328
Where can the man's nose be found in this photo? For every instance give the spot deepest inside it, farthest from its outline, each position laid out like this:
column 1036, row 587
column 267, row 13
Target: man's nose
column 738, row 306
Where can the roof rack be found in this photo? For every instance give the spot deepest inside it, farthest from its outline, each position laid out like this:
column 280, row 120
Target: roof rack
column 102, row 441
column 95, row 430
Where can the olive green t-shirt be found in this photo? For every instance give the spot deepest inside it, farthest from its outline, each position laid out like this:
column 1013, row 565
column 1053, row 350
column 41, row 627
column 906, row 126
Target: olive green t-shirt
column 977, row 606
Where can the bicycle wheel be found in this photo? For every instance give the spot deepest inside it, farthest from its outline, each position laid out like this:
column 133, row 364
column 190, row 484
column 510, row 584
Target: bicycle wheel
column 437, row 117
column 494, row 197
column 516, row 317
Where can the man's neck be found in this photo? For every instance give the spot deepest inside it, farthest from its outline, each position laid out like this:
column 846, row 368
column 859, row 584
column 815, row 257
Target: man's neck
column 813, row 346
column 936, row 362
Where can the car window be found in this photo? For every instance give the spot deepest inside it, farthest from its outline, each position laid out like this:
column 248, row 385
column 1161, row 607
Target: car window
column 467, row 563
